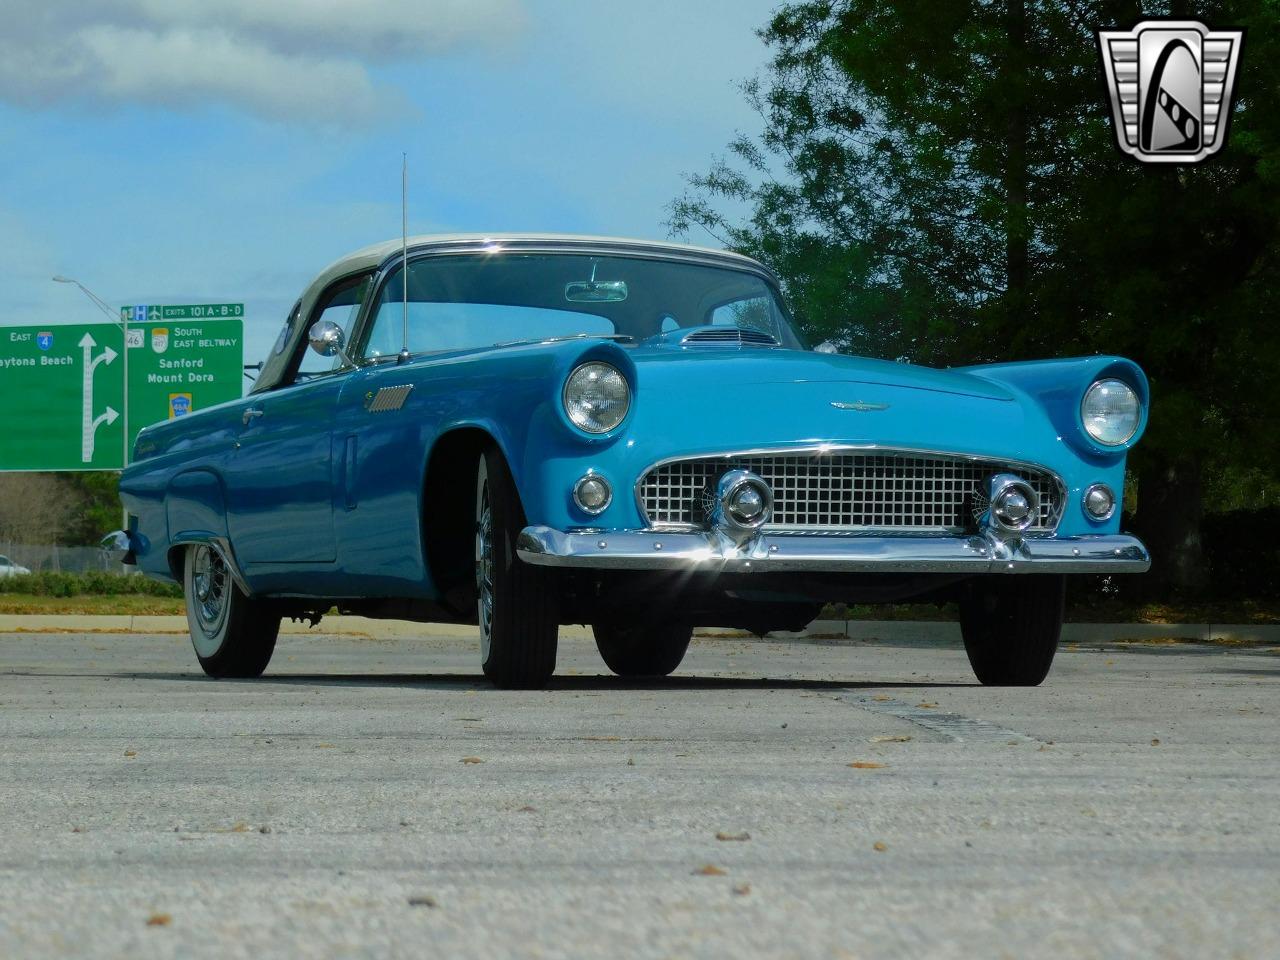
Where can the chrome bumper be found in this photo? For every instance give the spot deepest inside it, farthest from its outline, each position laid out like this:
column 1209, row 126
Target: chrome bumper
column 818, row 553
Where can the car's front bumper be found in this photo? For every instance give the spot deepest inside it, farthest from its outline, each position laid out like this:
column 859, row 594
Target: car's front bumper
column 824, row 553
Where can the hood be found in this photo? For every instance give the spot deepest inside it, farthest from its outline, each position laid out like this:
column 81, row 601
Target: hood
column 727, row 367
column 702, row 401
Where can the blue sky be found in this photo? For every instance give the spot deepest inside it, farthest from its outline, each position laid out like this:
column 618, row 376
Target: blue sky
column 176, row 151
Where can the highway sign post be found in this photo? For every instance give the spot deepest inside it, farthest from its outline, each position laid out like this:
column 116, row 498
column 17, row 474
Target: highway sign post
column 61, row 386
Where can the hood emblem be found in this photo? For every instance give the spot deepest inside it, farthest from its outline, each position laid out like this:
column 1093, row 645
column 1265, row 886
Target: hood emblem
column 858, row 405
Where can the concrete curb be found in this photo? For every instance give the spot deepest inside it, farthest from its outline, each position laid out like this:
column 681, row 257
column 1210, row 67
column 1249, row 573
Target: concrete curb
column 835, row 630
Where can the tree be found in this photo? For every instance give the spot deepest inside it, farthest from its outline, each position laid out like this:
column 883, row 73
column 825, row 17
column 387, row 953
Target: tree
column 938, row 180
column 71, row 509
column 36, row 508
column 99, row 511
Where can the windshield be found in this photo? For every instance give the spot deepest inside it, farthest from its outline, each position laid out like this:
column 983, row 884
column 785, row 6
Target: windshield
column 464, row 301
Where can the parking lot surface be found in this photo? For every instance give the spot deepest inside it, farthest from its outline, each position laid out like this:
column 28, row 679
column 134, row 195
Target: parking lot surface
column 862, row 799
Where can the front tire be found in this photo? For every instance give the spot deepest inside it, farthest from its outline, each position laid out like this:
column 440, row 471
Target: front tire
column 1011, row 626
column 640, row 650
column 516, row 602
column 233, row 634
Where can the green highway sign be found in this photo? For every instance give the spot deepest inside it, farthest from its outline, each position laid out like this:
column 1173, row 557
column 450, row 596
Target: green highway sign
column 61, row 386
column 187, row 311
column 61, row 391
column 178, row 368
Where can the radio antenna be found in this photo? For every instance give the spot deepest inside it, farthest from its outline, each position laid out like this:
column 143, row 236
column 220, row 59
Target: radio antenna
column 404, row 252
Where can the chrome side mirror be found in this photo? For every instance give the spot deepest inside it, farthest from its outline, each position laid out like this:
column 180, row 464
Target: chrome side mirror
column 327, row 338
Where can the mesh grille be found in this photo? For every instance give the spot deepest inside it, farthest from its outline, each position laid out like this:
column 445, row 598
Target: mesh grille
column 847, row 492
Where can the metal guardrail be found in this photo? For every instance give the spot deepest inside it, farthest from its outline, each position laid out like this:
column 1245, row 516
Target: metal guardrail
column 40, row 558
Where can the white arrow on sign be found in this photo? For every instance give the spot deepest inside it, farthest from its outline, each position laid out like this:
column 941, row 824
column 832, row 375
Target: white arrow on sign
column 109, row 417
column 89, row 425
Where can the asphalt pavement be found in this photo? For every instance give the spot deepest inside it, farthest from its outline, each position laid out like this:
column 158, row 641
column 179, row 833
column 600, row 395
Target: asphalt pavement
column 816, row 799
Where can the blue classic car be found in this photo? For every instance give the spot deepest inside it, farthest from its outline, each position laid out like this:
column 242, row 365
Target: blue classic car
column 525, row 431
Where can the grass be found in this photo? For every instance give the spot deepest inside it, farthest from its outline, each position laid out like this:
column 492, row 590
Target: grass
column 92, row 583
column 137, row 605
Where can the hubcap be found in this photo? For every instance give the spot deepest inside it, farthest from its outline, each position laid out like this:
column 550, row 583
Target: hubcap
column 484, row 569
column 209, row 584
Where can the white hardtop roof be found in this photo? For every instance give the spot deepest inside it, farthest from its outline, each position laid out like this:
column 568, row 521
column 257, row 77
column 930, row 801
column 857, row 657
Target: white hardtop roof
column 374, row 254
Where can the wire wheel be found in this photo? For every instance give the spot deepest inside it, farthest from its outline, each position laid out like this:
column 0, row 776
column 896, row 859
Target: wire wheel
column 209, row 586
column 484, row 567
column 234, row 634
column 516, row 604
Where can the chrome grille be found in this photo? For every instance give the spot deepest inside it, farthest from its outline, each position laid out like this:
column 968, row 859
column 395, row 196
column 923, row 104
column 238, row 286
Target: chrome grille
column 845, row 492
column 731, row 336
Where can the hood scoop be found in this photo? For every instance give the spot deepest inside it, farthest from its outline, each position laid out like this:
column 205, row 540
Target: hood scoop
column 728, row 337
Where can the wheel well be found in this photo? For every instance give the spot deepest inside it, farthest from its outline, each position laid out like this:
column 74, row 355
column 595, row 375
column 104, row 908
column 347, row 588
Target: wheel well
column 448, row 516
column 175, row 558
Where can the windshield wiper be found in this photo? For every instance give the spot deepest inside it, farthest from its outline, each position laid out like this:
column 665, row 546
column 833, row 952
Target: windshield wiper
column 572, row 336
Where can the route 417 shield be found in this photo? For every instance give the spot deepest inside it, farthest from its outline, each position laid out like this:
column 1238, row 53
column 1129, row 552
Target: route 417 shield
column 1171, row 83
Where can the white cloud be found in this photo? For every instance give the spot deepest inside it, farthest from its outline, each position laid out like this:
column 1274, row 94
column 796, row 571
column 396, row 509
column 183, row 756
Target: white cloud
column 303, row 60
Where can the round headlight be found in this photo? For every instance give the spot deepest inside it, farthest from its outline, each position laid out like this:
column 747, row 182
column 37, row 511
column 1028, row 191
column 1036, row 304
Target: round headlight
column 1111, row 412
column 596, row 397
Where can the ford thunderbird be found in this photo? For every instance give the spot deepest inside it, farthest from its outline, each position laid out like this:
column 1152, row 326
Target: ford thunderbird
column 526, row 431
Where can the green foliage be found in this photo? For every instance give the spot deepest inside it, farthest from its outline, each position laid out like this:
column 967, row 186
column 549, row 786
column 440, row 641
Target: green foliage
column 99, row 510
column 51, row 584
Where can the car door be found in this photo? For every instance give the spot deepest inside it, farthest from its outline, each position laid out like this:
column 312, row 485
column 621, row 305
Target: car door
column 281, row 474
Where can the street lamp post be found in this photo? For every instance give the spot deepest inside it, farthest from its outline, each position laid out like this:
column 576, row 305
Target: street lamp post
column 124, row 325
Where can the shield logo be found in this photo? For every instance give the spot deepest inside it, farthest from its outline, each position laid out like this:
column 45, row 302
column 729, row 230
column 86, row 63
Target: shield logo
column 179, row 405
column 1171, row 83
column 44, row 339
column 159, row 339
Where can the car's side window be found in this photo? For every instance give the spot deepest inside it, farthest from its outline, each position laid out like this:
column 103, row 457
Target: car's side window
column 290, row 325
column 340, row 304
column 4, row 561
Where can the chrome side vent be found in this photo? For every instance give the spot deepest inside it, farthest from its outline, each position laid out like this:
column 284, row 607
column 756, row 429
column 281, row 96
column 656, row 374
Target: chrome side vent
column 732, row 337
column 387, row 398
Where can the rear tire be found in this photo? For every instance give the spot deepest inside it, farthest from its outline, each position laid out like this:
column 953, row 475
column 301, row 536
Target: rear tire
column 653, row 650
column 1011, row 626
column 233, row 634
column 516, row 602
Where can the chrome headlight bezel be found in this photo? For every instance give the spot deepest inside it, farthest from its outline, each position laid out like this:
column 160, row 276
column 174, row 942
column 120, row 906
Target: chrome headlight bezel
column 1088, row 420
column 577, row 380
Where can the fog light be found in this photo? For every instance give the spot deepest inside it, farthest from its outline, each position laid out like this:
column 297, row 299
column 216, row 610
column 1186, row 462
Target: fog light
column 1013, row 503
column 743, row 500
column 592, row 494
column 1100, row 501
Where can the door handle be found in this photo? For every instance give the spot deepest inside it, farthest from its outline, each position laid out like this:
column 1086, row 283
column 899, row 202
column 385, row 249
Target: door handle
column 250, row 413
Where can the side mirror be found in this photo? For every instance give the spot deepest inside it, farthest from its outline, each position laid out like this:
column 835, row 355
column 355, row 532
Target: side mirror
column 327, row 339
